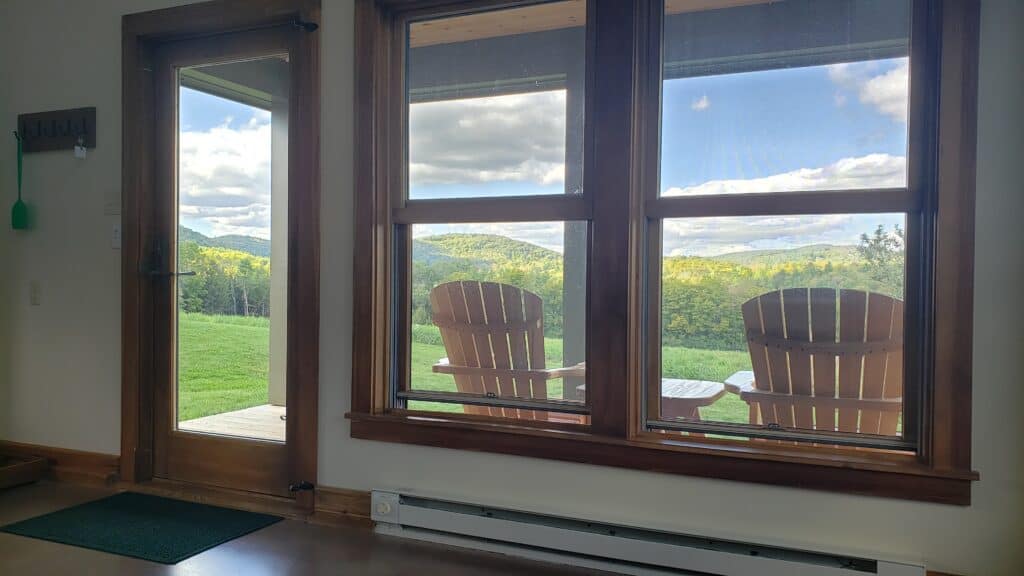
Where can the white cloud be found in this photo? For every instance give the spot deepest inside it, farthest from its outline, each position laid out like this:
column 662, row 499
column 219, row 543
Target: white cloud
column 886, row 90
column 871, row 171
column 713, row 236
column 224, row 177
column 701, row 104
column 514, row 138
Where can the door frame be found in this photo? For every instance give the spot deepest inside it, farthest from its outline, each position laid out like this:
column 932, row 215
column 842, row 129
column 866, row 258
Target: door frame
column 142, row 34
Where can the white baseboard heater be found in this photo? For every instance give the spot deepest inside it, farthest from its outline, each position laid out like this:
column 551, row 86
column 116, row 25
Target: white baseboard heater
column 599, row 546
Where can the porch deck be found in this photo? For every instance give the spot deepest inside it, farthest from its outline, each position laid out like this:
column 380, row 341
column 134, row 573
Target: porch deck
column 265, row 422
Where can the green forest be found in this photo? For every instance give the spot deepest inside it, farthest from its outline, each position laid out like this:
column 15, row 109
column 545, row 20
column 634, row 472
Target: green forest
column 701, row 297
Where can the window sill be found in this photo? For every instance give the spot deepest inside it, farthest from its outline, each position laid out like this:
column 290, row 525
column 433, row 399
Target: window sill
column 883, row 475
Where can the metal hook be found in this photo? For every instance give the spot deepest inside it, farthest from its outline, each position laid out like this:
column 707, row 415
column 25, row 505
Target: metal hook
column 307, row 26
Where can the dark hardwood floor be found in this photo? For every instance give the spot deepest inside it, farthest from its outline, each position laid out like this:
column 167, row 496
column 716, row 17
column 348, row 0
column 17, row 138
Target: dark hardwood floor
column 286, row 548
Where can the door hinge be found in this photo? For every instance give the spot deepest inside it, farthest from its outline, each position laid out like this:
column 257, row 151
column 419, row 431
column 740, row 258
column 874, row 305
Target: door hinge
column 301, row 486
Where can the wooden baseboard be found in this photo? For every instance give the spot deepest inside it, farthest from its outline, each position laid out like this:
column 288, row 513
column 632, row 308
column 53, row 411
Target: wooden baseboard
column 69, row 465
column 334, row 504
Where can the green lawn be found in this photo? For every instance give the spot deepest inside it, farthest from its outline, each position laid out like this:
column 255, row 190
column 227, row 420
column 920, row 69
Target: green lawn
column 223, row 363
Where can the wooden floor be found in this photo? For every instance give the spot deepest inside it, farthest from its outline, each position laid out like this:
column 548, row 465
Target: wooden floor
column 286, row 548
column 265, row 422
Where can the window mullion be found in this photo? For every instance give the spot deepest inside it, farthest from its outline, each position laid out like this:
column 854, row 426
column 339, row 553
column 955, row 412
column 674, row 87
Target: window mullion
column 608, row 179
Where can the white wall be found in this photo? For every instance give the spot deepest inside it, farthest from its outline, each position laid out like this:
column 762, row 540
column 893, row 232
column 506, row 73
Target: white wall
column 59, row 362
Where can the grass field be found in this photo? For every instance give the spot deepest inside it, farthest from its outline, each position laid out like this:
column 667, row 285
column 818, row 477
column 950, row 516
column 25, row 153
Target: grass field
column 223, row 364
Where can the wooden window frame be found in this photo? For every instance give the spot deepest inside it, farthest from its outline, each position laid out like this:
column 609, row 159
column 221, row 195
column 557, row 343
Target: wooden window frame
column 946, row 31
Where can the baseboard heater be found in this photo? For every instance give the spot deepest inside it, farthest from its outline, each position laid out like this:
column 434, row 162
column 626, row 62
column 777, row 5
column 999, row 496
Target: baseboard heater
column 599, row 546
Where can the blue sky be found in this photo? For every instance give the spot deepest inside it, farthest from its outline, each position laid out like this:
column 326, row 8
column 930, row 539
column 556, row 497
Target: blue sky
column 824, row 127
column 224, row 166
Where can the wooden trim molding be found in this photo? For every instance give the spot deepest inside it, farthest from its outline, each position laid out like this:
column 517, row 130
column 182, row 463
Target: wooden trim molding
column 332, row 503
column 828, row 472
column 69, row 465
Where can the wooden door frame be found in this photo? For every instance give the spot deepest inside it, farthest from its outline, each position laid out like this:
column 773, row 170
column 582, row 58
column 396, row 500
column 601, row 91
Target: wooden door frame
column 142, row 33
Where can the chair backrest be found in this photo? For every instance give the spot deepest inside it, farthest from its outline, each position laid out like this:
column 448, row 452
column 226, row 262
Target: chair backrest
column 826, row 359
column 491, row 325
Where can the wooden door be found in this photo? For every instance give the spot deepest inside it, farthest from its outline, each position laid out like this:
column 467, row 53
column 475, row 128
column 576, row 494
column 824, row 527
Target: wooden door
column 232, row 258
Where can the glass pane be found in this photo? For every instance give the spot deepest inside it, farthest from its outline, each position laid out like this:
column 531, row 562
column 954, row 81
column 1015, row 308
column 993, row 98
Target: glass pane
column 232, row 233
column 496, row 307
column 800, row 317
column 785, row 96
column 496, row 103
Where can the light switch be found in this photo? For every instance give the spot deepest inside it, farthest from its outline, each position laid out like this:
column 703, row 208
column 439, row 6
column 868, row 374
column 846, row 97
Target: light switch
column 115, row 237
column 35, row 293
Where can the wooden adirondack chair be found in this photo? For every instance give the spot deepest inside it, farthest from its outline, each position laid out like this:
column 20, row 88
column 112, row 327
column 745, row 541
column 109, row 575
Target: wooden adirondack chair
column 819, row 367
column 494, row 336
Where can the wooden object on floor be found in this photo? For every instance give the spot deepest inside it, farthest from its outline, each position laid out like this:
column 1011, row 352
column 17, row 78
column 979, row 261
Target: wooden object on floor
column 68, row 465
column 792, row 333
column 16, row 471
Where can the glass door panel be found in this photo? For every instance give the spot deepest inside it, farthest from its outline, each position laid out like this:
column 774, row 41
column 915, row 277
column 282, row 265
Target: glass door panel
column 231, row 209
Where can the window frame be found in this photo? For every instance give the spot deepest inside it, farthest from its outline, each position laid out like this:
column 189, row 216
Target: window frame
column 619, row 114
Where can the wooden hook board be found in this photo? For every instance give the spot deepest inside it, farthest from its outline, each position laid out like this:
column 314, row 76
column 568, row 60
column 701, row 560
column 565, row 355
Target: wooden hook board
column 57, row 130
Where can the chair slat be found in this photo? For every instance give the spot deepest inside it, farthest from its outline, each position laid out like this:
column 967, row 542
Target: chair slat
column 893, row 386
column 534, row 311
column 823, row 329
column 774, row 326
column 481, row 340
column 758, row 355
column 879, row 327
column 795, row 303
column 495, row 312
column 441, row 300
column 852, row 310
column 512, row 300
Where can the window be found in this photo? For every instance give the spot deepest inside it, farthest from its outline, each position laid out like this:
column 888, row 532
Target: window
column 694, row 237
column 795, row 310
column 490, row 305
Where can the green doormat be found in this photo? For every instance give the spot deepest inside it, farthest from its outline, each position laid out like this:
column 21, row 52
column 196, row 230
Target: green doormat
column 143, row 526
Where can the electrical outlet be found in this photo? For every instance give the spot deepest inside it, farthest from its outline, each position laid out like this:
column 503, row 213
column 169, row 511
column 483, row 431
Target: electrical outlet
column 35, row 293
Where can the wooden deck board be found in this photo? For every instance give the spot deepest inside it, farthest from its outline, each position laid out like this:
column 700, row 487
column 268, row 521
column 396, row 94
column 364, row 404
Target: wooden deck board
column 262, row 422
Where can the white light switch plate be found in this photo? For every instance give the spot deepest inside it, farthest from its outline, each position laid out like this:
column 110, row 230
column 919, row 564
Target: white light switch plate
column 35, row 293
column 115, row 237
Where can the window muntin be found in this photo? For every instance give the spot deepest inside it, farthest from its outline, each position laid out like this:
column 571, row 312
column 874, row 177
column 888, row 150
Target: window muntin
column 495, row 103
column 778, row 100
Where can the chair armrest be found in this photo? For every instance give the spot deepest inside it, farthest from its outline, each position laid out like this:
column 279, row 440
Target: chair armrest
column 578, row 370
column 742, row 381
column 440, row 366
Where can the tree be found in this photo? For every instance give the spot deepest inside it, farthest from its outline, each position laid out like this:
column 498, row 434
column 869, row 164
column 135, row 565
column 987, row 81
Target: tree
column 884, row 255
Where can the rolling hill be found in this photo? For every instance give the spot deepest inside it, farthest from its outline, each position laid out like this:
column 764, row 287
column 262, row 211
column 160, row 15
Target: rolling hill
column 481, row 249
column 814, row 253
column 248, row 244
